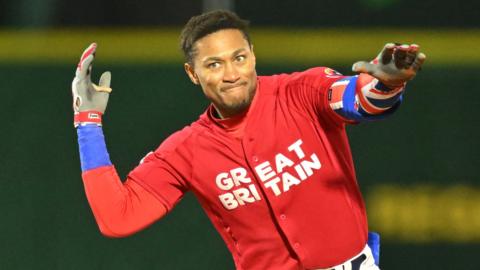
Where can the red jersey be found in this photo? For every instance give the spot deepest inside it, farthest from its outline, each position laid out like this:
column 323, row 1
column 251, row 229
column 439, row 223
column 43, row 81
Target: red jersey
column 283, row 194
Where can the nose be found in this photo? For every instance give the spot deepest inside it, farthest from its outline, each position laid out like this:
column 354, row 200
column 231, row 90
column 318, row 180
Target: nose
column 231, row 73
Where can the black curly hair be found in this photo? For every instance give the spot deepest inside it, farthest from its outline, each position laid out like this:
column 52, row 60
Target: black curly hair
column 207, row 23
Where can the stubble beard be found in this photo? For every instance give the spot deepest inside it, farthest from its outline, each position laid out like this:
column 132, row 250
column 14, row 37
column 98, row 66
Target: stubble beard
column 239, row 105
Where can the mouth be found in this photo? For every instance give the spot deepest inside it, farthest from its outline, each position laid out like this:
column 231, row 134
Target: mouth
column 233, row 87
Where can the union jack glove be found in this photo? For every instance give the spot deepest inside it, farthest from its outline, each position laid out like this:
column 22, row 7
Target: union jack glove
column 89, row 100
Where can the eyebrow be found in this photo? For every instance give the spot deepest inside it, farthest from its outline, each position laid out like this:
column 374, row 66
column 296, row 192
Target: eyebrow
column 215, row 58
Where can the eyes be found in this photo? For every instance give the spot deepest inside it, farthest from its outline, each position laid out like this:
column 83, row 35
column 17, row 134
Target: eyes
column 240, row 58
column 217, row 64
column 213, row 65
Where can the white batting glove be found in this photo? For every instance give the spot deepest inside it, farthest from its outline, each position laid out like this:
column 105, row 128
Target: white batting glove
column 395, row 65
column 89, row 100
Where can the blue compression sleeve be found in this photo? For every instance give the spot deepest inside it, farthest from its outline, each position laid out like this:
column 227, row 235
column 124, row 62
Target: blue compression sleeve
column 93, row 150
column 349, row 110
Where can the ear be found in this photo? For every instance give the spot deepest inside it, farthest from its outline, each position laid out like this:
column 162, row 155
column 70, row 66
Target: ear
column 191, row 73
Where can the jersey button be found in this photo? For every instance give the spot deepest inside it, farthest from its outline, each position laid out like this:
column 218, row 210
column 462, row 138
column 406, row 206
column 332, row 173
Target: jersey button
column 296, row 245
column 283, row 217
column 255, row 158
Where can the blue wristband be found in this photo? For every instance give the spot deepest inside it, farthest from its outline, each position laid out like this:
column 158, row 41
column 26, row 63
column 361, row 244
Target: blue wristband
column 93, row 150
column 374, row 244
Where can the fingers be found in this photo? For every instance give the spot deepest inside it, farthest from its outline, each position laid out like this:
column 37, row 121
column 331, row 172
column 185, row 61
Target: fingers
column 406, row 56
column 387, row 53
column 411, row 54
column 104, row 83
column 412, row 59
column 400, row 56
column 419, row 60
column 363, row 67
column 84, row 67
column 105, row 79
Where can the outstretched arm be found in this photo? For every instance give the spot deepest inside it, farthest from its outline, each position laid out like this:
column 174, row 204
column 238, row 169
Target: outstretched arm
column 120, row 209
column 378, row 90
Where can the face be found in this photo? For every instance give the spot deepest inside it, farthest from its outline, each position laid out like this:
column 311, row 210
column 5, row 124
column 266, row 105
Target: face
column 224, row 66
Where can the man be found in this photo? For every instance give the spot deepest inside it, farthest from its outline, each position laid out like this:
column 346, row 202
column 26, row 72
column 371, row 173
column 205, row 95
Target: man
column 269, row 159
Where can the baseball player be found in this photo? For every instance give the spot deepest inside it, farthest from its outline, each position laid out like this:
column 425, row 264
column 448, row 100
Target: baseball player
column 268, row 160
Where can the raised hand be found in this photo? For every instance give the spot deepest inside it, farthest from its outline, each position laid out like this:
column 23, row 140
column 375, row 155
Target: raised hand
column 89, row 100
column 395, row 65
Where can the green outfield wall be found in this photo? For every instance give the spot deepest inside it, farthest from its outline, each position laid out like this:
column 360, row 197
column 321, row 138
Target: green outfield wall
column 417, row 169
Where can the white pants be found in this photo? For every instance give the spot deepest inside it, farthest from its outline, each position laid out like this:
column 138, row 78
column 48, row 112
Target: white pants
column 368, row 262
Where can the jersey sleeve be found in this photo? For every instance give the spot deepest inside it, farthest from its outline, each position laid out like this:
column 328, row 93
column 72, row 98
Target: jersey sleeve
column 165, row 172
column 308, row 92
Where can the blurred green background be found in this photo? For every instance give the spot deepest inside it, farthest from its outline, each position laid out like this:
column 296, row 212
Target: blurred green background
column 417, row 170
